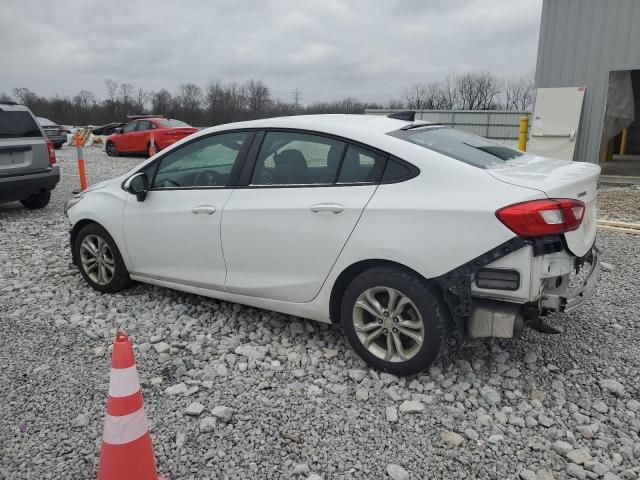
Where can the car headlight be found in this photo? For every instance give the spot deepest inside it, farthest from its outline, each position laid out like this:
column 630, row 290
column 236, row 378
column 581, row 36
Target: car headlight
column 72, row 201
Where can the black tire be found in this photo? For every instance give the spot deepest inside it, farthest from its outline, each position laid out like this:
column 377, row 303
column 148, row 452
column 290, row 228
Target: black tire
column 111, row 149
column 425, row 301
column 120, row 277
column 35, row 202
column 57, row 146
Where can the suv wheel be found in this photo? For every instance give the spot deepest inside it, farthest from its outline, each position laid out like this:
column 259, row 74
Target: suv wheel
column 393, row 319
column 99, row 260
column 111, row 149
column 37, row 201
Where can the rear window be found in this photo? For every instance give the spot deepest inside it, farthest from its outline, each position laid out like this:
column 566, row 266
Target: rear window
column 171, row 123
column 463, row 146
column 18, row 125
column 45, row 122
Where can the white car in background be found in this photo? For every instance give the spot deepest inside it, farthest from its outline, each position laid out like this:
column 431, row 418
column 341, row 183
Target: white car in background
column 399, row 230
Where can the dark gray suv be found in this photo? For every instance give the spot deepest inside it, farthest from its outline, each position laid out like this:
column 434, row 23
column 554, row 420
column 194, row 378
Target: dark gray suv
column 27, row 158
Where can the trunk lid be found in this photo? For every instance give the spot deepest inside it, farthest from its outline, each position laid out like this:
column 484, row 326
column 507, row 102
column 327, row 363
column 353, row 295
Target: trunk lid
column 180, row 132
column 558, row 179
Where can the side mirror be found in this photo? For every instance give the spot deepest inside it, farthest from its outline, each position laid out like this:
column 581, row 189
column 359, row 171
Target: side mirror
column 138, row 185
column 119, row 130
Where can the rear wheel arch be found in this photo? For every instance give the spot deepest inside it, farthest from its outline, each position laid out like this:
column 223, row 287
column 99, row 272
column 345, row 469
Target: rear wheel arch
column 351, row 272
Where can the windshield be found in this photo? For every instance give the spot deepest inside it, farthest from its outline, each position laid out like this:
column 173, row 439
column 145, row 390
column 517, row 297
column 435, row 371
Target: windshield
column 18, row 124
column 463, row 146
column 171, row 123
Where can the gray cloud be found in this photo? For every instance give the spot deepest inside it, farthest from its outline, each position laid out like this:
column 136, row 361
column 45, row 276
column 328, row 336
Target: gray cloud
column 328, row 49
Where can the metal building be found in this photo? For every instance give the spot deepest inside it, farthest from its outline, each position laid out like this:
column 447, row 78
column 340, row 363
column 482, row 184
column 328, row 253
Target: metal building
column 586, row 43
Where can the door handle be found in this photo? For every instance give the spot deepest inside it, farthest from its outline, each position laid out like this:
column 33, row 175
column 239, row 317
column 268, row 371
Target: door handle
column 208, row 209
column 327, row 207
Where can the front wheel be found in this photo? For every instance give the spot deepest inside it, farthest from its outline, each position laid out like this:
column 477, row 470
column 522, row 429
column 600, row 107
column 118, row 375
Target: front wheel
column 99, row 260
column 393, row 319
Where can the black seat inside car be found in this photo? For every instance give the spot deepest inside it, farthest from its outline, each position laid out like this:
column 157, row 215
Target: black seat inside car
column 291, row 167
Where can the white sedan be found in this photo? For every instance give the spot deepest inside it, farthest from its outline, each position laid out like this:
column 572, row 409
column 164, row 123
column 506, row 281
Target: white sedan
column 400, row 230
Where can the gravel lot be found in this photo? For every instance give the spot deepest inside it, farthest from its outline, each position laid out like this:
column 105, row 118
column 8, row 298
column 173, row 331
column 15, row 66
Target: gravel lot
column 299, row 403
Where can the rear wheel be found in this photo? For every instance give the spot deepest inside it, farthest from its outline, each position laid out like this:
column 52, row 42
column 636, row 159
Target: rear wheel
column 57, row 146
column 111, row 149
column 37, row 201
column 393, row 319
column 99, row 260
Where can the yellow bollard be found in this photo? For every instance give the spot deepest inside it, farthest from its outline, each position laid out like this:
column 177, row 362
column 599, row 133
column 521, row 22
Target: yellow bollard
column 522, row 137
column 623, row 141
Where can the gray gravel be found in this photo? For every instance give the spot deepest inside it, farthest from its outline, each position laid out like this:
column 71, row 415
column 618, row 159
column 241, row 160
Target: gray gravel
column 235, row 392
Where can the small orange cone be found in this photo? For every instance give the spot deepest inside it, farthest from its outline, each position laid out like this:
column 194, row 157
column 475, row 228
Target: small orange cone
column 152, row 148
column 126, row 452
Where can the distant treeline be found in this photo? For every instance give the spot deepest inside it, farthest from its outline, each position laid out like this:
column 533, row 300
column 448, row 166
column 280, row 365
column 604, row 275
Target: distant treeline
column 223, row 102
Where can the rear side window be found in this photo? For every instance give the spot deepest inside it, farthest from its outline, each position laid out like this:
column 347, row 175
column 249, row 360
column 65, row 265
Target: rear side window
column 463, row 146
column 361, row 166
column 396, row 171
column 144, row 125
column 18, row 125
column 290, row 158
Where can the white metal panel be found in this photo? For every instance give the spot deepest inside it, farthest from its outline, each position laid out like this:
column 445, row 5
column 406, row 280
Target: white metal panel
column 556, row 118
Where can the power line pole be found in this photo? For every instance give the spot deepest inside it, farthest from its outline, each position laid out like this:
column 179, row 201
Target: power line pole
column 296, row 98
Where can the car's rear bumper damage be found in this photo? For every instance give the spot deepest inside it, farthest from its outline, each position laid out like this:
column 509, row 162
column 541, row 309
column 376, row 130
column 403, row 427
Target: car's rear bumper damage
column 510, row 287
column 567, row 300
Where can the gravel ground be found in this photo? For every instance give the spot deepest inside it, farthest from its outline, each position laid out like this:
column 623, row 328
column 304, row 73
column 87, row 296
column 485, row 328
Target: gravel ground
column 285, row 398
column 619, row 203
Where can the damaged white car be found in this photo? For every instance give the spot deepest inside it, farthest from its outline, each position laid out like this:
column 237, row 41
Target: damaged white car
column 402, row 231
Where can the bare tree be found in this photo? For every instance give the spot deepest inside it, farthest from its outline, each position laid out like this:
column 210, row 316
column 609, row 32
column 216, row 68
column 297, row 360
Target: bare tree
column 112, row 88
column 214, row 98
column 26, row 96
column 258, row 96
column 415, row 96
column 478, row 90
column 5, row 98
column 162, row 102
column 190, row 101
column 518, row 93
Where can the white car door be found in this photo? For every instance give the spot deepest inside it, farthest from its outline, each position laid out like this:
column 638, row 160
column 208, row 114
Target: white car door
column 174, row 234
column 283, row 231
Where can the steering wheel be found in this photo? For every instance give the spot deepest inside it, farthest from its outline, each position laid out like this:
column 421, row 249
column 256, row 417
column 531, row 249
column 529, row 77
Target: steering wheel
column 208, row 178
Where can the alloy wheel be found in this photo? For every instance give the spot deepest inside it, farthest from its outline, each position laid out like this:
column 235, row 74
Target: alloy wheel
column 97, row 259
column 388, row 324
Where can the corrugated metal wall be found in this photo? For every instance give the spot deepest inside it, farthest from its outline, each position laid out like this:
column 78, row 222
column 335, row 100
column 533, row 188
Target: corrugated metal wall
column 499, row 125
column 580, row 42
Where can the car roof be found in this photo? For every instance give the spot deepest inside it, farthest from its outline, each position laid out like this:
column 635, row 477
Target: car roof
column 13, row 107
column 367, row 129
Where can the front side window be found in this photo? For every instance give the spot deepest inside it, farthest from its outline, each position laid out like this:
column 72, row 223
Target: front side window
column 206, row 162
column 290, row 158
column 130, row 127
column 463, row 146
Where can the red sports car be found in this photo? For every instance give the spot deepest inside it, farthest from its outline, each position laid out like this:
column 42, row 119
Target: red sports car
column 135, row 136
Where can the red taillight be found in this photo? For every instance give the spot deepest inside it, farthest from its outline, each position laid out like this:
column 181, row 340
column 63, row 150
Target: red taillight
column 52, row 152
column 543, row 217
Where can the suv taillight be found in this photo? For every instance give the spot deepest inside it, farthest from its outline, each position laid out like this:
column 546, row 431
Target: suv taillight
column 543, row 217
column 52, row 152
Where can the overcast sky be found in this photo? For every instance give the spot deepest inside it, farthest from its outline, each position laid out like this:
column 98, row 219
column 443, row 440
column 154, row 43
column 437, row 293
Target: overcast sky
column 328, row 49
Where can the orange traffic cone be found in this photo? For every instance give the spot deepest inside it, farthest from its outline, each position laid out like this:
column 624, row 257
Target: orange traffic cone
column 126, row 453
column 152, row 148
